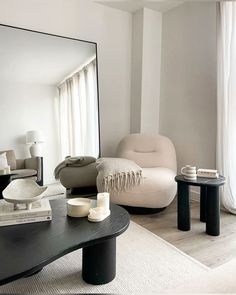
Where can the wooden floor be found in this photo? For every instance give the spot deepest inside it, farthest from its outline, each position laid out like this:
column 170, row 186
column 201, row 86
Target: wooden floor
column 211, row 251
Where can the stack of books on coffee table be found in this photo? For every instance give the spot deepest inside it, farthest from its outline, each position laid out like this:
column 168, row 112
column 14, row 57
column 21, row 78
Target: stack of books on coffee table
column 41, row 211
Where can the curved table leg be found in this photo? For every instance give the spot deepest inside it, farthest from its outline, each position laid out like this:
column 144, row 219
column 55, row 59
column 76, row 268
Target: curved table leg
column 183, row 207
column 99, row 262
column 213, row 211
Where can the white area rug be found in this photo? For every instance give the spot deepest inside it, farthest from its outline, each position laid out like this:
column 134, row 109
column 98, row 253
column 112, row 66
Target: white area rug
column 55, row 191
column 219, row 280
column 145, row 264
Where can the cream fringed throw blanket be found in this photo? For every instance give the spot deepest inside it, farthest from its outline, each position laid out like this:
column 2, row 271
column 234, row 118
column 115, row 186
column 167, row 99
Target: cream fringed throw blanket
column 117, row 174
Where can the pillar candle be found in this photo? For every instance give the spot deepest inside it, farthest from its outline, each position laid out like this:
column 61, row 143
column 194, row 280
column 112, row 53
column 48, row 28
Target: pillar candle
column 103, row 200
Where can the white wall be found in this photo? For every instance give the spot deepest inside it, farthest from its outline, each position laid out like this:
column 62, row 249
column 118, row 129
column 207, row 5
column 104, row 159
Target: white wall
column 110, row 28
column 146, row 69
column 188, row 83
column 27, row 107
column 136, row 76
column 152, row 35
column 188, row 74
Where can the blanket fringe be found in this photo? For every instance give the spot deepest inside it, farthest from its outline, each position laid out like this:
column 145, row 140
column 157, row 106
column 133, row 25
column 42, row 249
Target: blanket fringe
column 122, row 181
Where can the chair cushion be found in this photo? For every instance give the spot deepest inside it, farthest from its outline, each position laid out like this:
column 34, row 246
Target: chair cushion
column 23, row 173
column 148, row 150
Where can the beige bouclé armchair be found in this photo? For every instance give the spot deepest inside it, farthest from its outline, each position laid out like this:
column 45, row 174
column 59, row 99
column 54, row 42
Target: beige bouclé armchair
column 156, row 155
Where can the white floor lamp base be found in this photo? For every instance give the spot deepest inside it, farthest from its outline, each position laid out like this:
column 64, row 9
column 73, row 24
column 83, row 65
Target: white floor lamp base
column 35, row 150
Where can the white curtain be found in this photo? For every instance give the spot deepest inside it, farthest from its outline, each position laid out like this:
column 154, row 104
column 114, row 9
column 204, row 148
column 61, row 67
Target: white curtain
column 78, row 113
column 226, row 96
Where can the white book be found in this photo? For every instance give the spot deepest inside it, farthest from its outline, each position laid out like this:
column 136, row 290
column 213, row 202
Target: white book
column 39, row 209
column 210, row 171
column 208, row 175
column 25, row 220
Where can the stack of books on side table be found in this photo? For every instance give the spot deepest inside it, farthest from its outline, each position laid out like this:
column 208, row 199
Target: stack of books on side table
column 208, row 173
column 41, row 211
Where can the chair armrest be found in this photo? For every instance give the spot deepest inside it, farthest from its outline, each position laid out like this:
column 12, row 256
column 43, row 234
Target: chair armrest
column 34, row 163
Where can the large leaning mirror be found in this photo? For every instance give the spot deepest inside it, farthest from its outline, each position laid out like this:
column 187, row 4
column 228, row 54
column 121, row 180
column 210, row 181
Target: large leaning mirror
column 48, row 84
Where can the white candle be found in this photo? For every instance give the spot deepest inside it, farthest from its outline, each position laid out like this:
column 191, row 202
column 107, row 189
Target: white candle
column 103, row 200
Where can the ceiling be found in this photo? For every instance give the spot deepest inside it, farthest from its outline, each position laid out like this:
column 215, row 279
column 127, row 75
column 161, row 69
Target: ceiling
column 39, row 58
column 134, row 5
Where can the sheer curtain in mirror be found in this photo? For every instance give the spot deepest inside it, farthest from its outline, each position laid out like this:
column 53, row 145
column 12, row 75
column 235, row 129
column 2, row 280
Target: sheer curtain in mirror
column 78, row 113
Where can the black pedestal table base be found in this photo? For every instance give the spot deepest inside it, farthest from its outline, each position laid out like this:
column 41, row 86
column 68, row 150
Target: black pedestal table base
column 99, row 262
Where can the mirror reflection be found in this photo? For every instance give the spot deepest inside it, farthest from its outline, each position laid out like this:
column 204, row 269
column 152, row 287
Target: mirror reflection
column 48, row 95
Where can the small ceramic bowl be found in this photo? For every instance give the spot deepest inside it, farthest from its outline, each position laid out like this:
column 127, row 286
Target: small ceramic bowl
column 78, row 207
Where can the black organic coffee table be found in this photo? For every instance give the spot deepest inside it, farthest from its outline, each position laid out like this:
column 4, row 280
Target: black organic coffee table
column 26, row 249
column 209, row 203
column 5, row 179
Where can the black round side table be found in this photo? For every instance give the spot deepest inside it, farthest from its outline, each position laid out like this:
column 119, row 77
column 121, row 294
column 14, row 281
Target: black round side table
column 209, row 202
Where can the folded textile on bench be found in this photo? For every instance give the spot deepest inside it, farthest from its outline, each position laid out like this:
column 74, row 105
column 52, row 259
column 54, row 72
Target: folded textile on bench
column 117, row 174
column 73, row 162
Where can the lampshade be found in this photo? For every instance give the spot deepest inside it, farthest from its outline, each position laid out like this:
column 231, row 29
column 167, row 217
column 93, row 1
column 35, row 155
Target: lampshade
column 34, row 136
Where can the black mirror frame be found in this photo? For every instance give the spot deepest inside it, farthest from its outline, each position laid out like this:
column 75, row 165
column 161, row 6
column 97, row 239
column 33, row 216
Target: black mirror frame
column 75, row 39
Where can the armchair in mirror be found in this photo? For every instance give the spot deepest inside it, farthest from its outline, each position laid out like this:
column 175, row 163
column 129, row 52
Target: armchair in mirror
column 48, row 83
